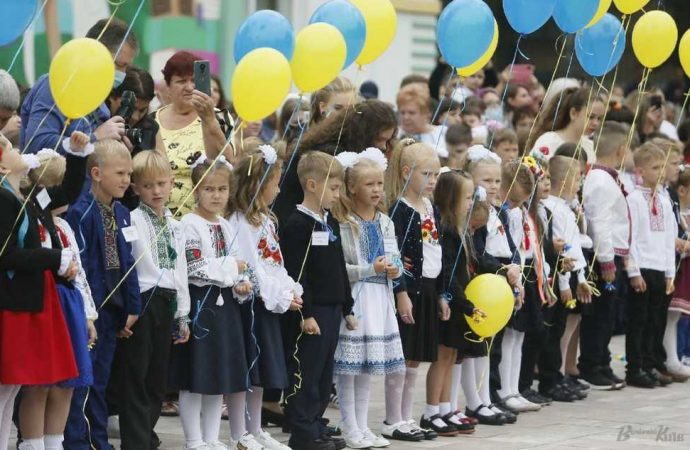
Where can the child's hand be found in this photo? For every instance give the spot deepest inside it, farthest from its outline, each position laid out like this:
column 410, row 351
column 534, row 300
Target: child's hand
column 243, row 288
column 392, row 271
column 567, row 264
column 351, row 322
column 638, row 284
column 669, row 286
column 584, row 293
column 479, row 313
column 380, row 264
column 241, row 266
column 609, row 276
column 559, row 245
column 296, row 303
column 93, row 334
column 520, row 298
column 309, row 326
column 127, row 332
column 78, row 141
column 513, row 274
column 443, row 310
column 405, row 308
column 72, row 271
column 566, row 296
column 182, row 333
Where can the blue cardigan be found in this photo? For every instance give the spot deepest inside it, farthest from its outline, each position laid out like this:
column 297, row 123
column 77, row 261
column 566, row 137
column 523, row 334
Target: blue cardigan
column 85, row 219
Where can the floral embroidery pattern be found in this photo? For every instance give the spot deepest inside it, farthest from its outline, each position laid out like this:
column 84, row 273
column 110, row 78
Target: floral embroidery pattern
column 429, row 231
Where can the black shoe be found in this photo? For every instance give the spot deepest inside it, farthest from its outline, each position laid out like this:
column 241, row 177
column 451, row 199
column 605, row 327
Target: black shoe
column 428, row 433
column 509, row 416
column 447, row 429
column 495, row 419
column 618, row 382
column 317, row 444
column 338, row 443
column 598, row 381
column 574, row 384
column 641, row 379
column 401, row 433
column 573, row 388
column 662, row 379
column 271, row 417
column 462, row 427
column 559, row 394
column 535, row 397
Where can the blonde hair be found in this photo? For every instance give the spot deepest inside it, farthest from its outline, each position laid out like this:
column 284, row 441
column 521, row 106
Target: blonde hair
column 318, row 166
column 149, row 164
column 342, row 211
column 562, row 169
column 251, row 175
column 338, row 86
column 105, row 151
column 647, row 152
column 471, row 165
column 50, row 173
column 407, row 153
column 668, row 145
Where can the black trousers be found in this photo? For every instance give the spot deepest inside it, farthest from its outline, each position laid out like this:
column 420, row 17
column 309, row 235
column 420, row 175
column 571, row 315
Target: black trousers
column 645, row 328
column 143, row 362
column 551, row 360
column 305, row 408
column 598, row 319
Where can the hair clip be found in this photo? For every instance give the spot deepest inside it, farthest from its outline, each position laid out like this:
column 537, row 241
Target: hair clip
column 406, row 142
column 479, row 152
column 269, row 154
column 31, row 161
column 202, row 159
column 375, row 155
column 681, row 167
column 480, row 194
column 533, row 166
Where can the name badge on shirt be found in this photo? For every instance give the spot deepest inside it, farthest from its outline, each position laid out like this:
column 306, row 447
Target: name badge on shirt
column 319, row 238
column 390, row 245
column 43, row 198
column 130, row 233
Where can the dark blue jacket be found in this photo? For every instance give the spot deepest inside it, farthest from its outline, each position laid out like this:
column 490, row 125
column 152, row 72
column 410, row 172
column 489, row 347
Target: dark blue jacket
column 85, row 219
column 42, row 121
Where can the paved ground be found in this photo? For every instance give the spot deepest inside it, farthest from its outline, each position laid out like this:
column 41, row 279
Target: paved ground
column 631, row 418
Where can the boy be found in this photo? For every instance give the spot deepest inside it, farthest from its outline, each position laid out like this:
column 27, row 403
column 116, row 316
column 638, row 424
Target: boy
column 458, row 140
column 314, row 257
column 505, row 144
column 608, row 224
column 104, row 234
column 651, row 269
column 162, row 272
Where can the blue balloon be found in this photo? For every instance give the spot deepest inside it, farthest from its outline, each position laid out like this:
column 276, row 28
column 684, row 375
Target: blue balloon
column 265, row 28
column 574, row 15
column 18, row 14
column 527, row 16
column 464, row 31
column 600, row 47
column 348, row 20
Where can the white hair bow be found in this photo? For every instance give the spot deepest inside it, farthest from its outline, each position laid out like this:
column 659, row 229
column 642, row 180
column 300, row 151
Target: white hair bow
column 479, row 152
column 203, row 159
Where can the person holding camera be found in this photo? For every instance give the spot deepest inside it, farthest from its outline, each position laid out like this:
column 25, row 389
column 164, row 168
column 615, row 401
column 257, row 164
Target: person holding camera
column 188, row 126
column 131, row 101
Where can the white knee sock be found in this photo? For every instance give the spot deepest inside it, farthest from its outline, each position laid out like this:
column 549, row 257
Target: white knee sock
column 571, row 324
column 444, row 408
column 671, row 339
column 469, row 384
column 394, row 393
column 190, row 416
column 32, row 444
column 8, row 392
column 254, row 403
column 505, row 367
column 481, row 374
column 408, row 393
column 211, row 413
column 455, row 382
column 362, row 388
column 346, row 402
column 236, row 403
column 515, row 363
column 53, row 441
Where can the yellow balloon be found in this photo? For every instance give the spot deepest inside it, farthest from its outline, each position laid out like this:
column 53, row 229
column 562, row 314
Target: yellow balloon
column 492, row 295
column 630, row 6
column 684, row 52
column 260, row 83
column 654, row 38
column 320, row 52
column 382, row 22
column 81, row 77
column 604, row 6
column 484, row 59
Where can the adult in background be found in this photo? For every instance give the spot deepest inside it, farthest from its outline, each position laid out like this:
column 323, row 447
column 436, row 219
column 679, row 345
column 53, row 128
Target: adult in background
column 188, row 126
column 10, row 122
column 42, row 120
column 414, row 109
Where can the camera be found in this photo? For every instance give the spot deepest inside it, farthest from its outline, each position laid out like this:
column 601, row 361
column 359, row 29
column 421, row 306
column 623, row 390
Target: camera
column 143, row 134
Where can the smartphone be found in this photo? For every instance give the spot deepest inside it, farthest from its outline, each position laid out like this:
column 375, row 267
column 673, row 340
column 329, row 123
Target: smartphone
column 202, row 76
column 655, row 101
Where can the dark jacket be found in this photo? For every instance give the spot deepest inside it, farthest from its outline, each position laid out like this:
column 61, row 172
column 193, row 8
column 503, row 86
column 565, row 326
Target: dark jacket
column 487, row 263
column 456, row 274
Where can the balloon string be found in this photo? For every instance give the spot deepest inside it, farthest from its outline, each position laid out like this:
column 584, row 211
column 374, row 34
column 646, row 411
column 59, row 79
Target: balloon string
column 129, row 28
column 560, row 98
column 23, row 41
column 510, row 75
column 453, row 74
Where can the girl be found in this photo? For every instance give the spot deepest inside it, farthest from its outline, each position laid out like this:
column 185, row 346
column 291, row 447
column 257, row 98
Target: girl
column 257, row 184
column 373, row 265
column 411, row 178
column 495, row 254
column 454, row 196
column 36, row 347
column 214, row 361
column 339, row 94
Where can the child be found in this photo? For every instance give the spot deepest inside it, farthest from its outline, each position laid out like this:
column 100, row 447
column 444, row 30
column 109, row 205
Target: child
column 680, row 303
column 104, row 234
column 523, row 120
column 374, row 267
column 472, row 116
column 454, row 195
column 214, row 361
column 36, row 345
column 651, row 269
column 314, row 257
column 410, row 181
column 162, row 273
column 257, row 179
column 458, row 140
column 505, row 144
column 608, row 224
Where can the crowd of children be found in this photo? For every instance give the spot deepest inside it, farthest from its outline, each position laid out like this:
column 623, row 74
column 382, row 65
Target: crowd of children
column 365, row 277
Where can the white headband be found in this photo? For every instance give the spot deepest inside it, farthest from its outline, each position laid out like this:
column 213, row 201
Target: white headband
column 269, row 154
column 31, row 161
column 349, row 159
column 202, row 159
column 480, row 194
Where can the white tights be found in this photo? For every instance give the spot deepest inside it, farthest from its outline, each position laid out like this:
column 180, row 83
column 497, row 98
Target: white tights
column 353, row 399
column 671, row 339
column 7, row 394
column 511, row 358
column 200, row 416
